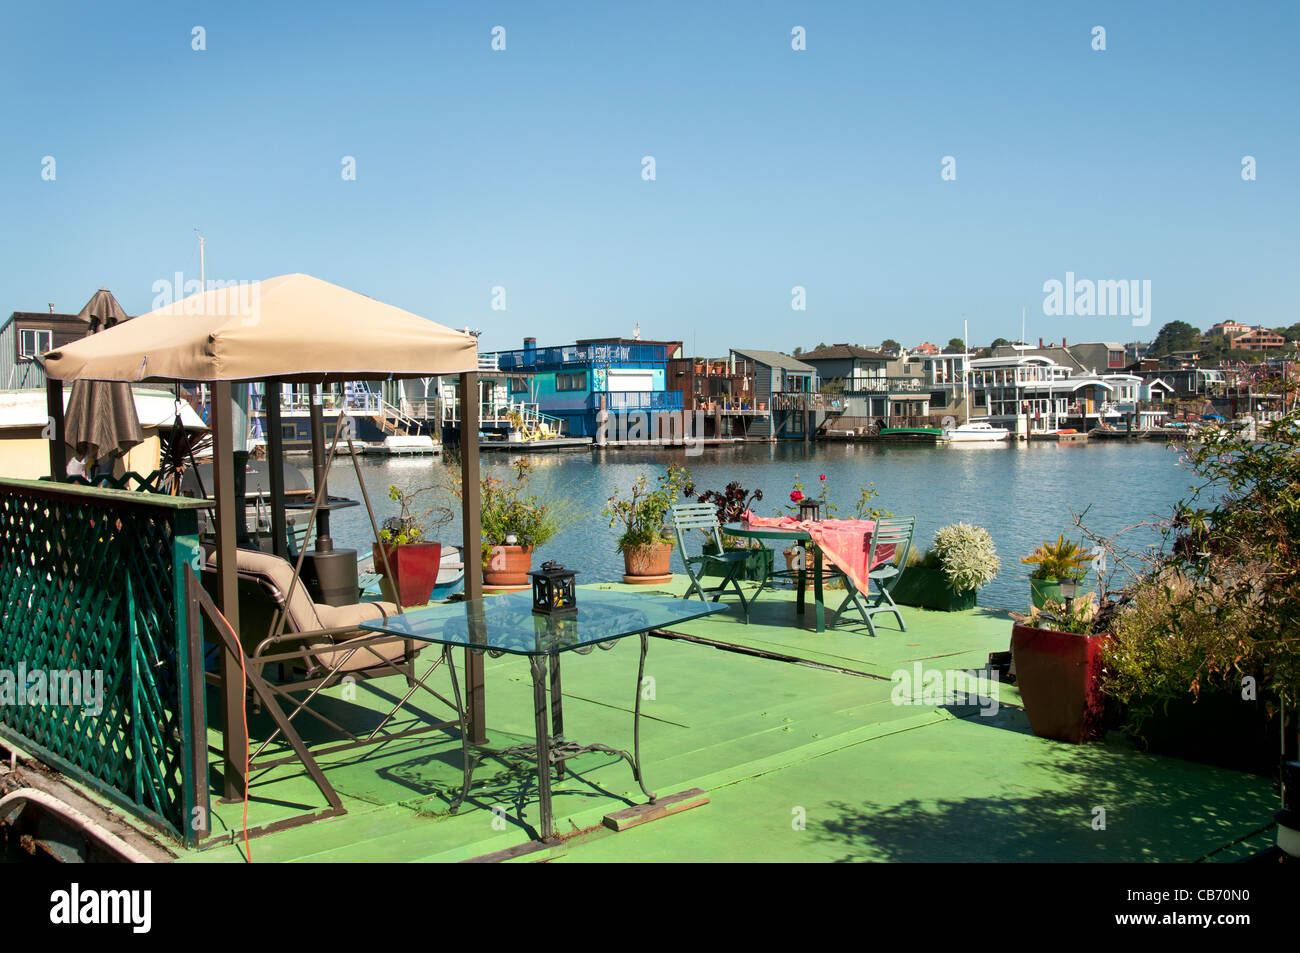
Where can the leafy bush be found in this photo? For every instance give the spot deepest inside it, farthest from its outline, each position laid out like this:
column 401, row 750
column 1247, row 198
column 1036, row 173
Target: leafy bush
column 1222, row 604
column 508, row 510
column 967, row 556
column 644, row 513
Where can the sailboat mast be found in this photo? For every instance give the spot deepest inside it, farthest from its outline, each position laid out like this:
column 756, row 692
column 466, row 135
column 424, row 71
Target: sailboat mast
column 965, row 360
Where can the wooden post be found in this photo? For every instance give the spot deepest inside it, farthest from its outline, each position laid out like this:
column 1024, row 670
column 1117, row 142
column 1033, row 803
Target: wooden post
column 58, row 430
column 275, row 466
column 471, row 555
column 234, row 741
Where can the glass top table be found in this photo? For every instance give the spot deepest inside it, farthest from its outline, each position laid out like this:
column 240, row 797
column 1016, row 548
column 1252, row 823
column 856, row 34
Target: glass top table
column 506, row 624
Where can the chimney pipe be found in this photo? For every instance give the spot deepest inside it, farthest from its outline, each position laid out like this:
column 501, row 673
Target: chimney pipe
column 1062, row 342
column 1040, row 342
column 51, row 307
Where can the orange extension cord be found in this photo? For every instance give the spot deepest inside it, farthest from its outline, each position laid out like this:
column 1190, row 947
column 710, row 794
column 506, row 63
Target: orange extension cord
column 243, row 673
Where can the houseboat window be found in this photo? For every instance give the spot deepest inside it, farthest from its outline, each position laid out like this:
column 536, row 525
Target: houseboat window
column 518, row 384
column 33, row 341
column 288, row 432
column 571, row 381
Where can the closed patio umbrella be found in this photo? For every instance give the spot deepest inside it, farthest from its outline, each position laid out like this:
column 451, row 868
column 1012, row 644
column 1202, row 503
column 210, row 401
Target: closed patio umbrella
column 101, row 418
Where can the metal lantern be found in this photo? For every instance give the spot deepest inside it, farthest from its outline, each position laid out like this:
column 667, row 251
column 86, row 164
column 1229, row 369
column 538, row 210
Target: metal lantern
column 810, row 510
column 1069, row 589
column 554, row 590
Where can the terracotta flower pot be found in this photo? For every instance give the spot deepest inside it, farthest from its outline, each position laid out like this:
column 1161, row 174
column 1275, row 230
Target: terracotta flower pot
column 791, row 555
column 415, row 568
column 508, row 566
column 653, row 560
column 1057, row 674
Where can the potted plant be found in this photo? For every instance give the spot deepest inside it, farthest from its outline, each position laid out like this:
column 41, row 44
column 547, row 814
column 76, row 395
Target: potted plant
column 1057, row 652
column 405, row 549
column 514, row 524
column 1054, row 563
column 796, row 556
column 961, row 560
column 732, row 503
column 646, row 541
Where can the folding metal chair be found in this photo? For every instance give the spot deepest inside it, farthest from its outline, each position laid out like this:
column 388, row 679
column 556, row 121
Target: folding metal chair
column 704, row 516
column 889, row 531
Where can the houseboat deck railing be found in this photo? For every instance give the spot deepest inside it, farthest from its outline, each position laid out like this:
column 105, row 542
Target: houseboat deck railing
column 884, row 385
column 637, row 400
column 93, row 591
column 728, row 405
column 492, row 413
column 582, row 354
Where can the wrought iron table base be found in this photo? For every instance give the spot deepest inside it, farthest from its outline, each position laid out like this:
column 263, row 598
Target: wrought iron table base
column 550, row 736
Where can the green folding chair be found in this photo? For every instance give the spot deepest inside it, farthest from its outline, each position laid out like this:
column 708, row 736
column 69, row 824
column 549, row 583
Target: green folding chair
column 889, row 531
column 704, row 516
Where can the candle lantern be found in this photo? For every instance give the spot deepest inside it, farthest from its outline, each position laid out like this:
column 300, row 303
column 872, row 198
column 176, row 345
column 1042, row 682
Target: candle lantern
column 1069, row 589
column 810, row 510
column 554, row 590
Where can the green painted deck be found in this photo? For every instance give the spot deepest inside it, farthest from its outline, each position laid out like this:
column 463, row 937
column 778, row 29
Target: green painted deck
column 802, row 762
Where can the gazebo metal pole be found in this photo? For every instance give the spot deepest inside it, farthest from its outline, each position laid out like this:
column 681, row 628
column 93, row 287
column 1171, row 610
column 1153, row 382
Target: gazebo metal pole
column 324, row 543
column 58, row 432
column 471, row 554
column 275, row 466
column 234, row 742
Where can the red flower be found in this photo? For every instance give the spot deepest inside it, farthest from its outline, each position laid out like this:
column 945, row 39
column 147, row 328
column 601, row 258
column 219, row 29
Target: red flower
column 795, row 496
column 822, row 477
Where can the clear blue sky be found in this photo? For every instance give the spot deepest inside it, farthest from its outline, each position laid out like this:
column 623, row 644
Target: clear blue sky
column 775, row 168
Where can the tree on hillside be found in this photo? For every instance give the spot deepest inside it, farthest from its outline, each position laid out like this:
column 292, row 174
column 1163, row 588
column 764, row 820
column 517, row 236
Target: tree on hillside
column 1176, row 336
column 999, row 342
column 1292, row 333
column 798, row 351
column 955, row 346
column 889, row 344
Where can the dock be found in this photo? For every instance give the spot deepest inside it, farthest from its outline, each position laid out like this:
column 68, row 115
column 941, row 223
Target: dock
column 785, row 745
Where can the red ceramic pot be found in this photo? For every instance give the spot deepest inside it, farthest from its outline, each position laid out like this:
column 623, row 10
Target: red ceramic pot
column 1057, row 674
column 415, row 568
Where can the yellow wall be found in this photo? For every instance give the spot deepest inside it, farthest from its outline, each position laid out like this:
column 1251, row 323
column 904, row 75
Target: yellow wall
column 28, row 458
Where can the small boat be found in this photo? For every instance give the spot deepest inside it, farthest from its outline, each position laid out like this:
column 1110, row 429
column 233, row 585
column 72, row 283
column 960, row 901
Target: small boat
column 419, row 445
column 975, row 433
column 914, row 434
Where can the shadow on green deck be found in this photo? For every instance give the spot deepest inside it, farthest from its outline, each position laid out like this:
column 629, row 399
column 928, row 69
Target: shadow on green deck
column 801, row 763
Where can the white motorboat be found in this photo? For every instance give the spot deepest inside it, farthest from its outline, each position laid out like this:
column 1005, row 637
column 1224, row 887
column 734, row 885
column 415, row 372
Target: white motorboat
column 971, row 432
column 975, row 433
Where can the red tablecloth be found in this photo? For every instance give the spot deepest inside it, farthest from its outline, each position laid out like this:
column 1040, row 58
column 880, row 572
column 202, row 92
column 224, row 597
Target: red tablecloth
column 846, row 543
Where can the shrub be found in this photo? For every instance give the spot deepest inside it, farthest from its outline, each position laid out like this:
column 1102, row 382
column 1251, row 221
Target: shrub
column 644, row 512
column 967, row 556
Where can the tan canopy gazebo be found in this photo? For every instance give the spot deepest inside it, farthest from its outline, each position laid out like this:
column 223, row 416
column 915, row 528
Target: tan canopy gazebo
column 295, row 329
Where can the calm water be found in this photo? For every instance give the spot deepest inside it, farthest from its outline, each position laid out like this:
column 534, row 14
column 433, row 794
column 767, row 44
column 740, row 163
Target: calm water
column 1021, row 494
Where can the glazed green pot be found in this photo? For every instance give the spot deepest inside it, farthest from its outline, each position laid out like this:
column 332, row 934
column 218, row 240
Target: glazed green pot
column 929, row 589
column 1042, row 591
column 757, row 567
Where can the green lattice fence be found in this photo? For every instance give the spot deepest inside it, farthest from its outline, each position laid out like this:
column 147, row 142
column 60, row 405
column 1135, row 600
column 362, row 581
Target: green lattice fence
column 93, row 580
